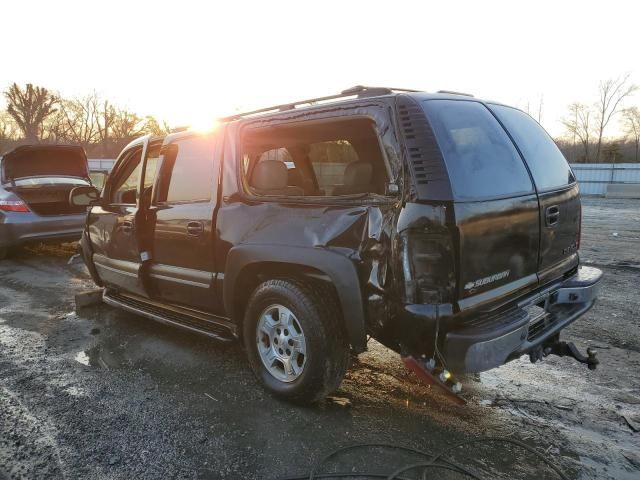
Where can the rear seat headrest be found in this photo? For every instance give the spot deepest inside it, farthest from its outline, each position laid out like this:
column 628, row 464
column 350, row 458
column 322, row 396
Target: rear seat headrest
column 358, row 173
column 270, row 175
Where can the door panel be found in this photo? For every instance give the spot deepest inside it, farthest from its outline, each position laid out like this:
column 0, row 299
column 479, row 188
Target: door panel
column 559, row 232
column 182, row 270
column 112, row 225
column 183, row 263
column 498, row 245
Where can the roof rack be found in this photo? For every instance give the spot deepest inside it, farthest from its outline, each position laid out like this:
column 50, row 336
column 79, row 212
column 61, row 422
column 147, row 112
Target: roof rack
column 359, row 91
column 452, row 92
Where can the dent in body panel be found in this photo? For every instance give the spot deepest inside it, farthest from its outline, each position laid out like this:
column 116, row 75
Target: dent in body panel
column 358, row 230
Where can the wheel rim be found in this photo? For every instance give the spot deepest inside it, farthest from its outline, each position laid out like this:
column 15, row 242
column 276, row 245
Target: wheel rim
column 281, row 343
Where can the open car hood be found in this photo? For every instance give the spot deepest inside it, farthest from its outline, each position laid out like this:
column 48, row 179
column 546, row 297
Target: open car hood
column 44, row 161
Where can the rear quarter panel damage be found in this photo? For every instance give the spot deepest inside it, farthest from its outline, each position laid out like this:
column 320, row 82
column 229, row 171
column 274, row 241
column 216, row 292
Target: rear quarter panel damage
column 350, row 244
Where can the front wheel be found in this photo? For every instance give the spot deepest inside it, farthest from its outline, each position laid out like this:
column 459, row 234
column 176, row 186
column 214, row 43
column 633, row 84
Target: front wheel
column 295, row 340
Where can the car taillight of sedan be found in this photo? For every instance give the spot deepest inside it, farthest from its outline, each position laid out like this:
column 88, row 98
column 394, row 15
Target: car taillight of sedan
column 13, row 206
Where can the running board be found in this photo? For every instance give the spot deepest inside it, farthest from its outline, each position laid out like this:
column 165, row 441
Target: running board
column 196, row 322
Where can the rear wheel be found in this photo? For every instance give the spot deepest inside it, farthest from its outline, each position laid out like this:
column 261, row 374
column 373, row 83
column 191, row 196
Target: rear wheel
column 295, row 340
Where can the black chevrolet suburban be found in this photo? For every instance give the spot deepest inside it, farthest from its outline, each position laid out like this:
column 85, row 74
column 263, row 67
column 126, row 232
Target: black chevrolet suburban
column 444, row 226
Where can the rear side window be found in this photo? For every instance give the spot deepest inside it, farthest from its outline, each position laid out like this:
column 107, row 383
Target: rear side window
column 480, row 157
column 187, row 173
column 547, row 164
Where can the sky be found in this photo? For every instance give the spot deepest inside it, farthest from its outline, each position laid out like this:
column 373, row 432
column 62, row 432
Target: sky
column 189, row 62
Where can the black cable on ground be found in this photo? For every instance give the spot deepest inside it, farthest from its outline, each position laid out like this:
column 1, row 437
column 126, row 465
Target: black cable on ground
column 426, row 466
column 520, row 444
column 344, row 475
column 338, row 451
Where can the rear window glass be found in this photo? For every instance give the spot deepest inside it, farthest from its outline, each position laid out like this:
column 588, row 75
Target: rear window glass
column 480, row 157
column 547, row 164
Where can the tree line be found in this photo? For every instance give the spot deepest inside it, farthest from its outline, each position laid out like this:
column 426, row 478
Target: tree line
column 587, row 124
column 36, row 115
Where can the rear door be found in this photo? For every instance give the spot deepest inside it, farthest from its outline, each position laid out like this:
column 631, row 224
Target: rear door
column 560, row 209
column 184, row 200
column 495, row 207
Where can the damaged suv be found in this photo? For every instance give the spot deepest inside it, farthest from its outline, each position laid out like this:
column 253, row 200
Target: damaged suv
column 35, row 181
column 443, row 226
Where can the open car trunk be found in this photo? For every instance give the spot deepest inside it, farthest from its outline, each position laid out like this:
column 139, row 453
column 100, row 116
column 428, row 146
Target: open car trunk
column 48, row 199
column 44, row 175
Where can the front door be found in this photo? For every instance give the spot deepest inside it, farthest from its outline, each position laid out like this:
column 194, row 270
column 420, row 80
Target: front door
column 113, row 223
column 182, row 211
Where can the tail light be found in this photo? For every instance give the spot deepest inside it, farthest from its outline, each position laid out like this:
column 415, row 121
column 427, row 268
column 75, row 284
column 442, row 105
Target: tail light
column 428, row 267
column 13, row 206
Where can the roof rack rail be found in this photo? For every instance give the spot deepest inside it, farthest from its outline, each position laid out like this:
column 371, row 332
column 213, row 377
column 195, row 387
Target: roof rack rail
column 359, row 91
column 452, row 92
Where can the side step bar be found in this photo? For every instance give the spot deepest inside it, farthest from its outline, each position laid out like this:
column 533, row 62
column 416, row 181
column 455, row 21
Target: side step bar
column 196, row 322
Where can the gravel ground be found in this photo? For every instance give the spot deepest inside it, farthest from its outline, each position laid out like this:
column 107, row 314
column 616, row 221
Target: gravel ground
column 103, row 394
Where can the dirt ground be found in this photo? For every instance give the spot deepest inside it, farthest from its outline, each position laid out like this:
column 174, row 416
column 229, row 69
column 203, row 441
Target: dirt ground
column 103, row 394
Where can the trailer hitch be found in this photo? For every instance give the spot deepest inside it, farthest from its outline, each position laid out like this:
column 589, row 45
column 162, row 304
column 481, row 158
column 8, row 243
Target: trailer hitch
column 567, row 349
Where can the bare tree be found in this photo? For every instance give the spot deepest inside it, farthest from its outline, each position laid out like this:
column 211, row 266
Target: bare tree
column 540, row 105
column 537, row 115
column 81, row 119
column 612, row 93
column 106, row 117
column 578, row 125
column 8, row 130
column 29, row 108
column 631, row 121
column 126, row 126
column 152, row 126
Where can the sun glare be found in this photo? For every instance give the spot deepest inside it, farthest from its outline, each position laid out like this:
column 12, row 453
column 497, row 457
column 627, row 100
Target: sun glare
column 204, row 125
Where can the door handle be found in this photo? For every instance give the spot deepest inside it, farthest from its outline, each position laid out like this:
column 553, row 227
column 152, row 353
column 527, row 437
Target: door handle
column 127, row 226
column 195, row 228
column 552, row 215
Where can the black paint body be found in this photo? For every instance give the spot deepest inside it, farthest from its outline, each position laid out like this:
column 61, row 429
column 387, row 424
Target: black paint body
column 365, row 247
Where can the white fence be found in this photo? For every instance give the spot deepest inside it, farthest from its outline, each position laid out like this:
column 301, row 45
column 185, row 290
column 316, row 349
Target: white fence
column 101, row 163
column 594, row 177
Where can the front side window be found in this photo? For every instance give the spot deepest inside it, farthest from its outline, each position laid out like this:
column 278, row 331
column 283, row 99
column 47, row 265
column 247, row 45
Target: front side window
column 125, row 183
column 187, row 172
column 480, row 157
column 547, row 164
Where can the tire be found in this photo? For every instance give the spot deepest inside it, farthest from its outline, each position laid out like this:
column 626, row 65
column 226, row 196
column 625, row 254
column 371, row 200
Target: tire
column 4, row 252
column 314, row 313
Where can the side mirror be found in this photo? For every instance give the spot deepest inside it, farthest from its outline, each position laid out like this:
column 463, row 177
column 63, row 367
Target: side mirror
column 83, row 196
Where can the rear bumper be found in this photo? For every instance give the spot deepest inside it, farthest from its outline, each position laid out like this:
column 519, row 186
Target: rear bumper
column 492, row 340
column 18, row 228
